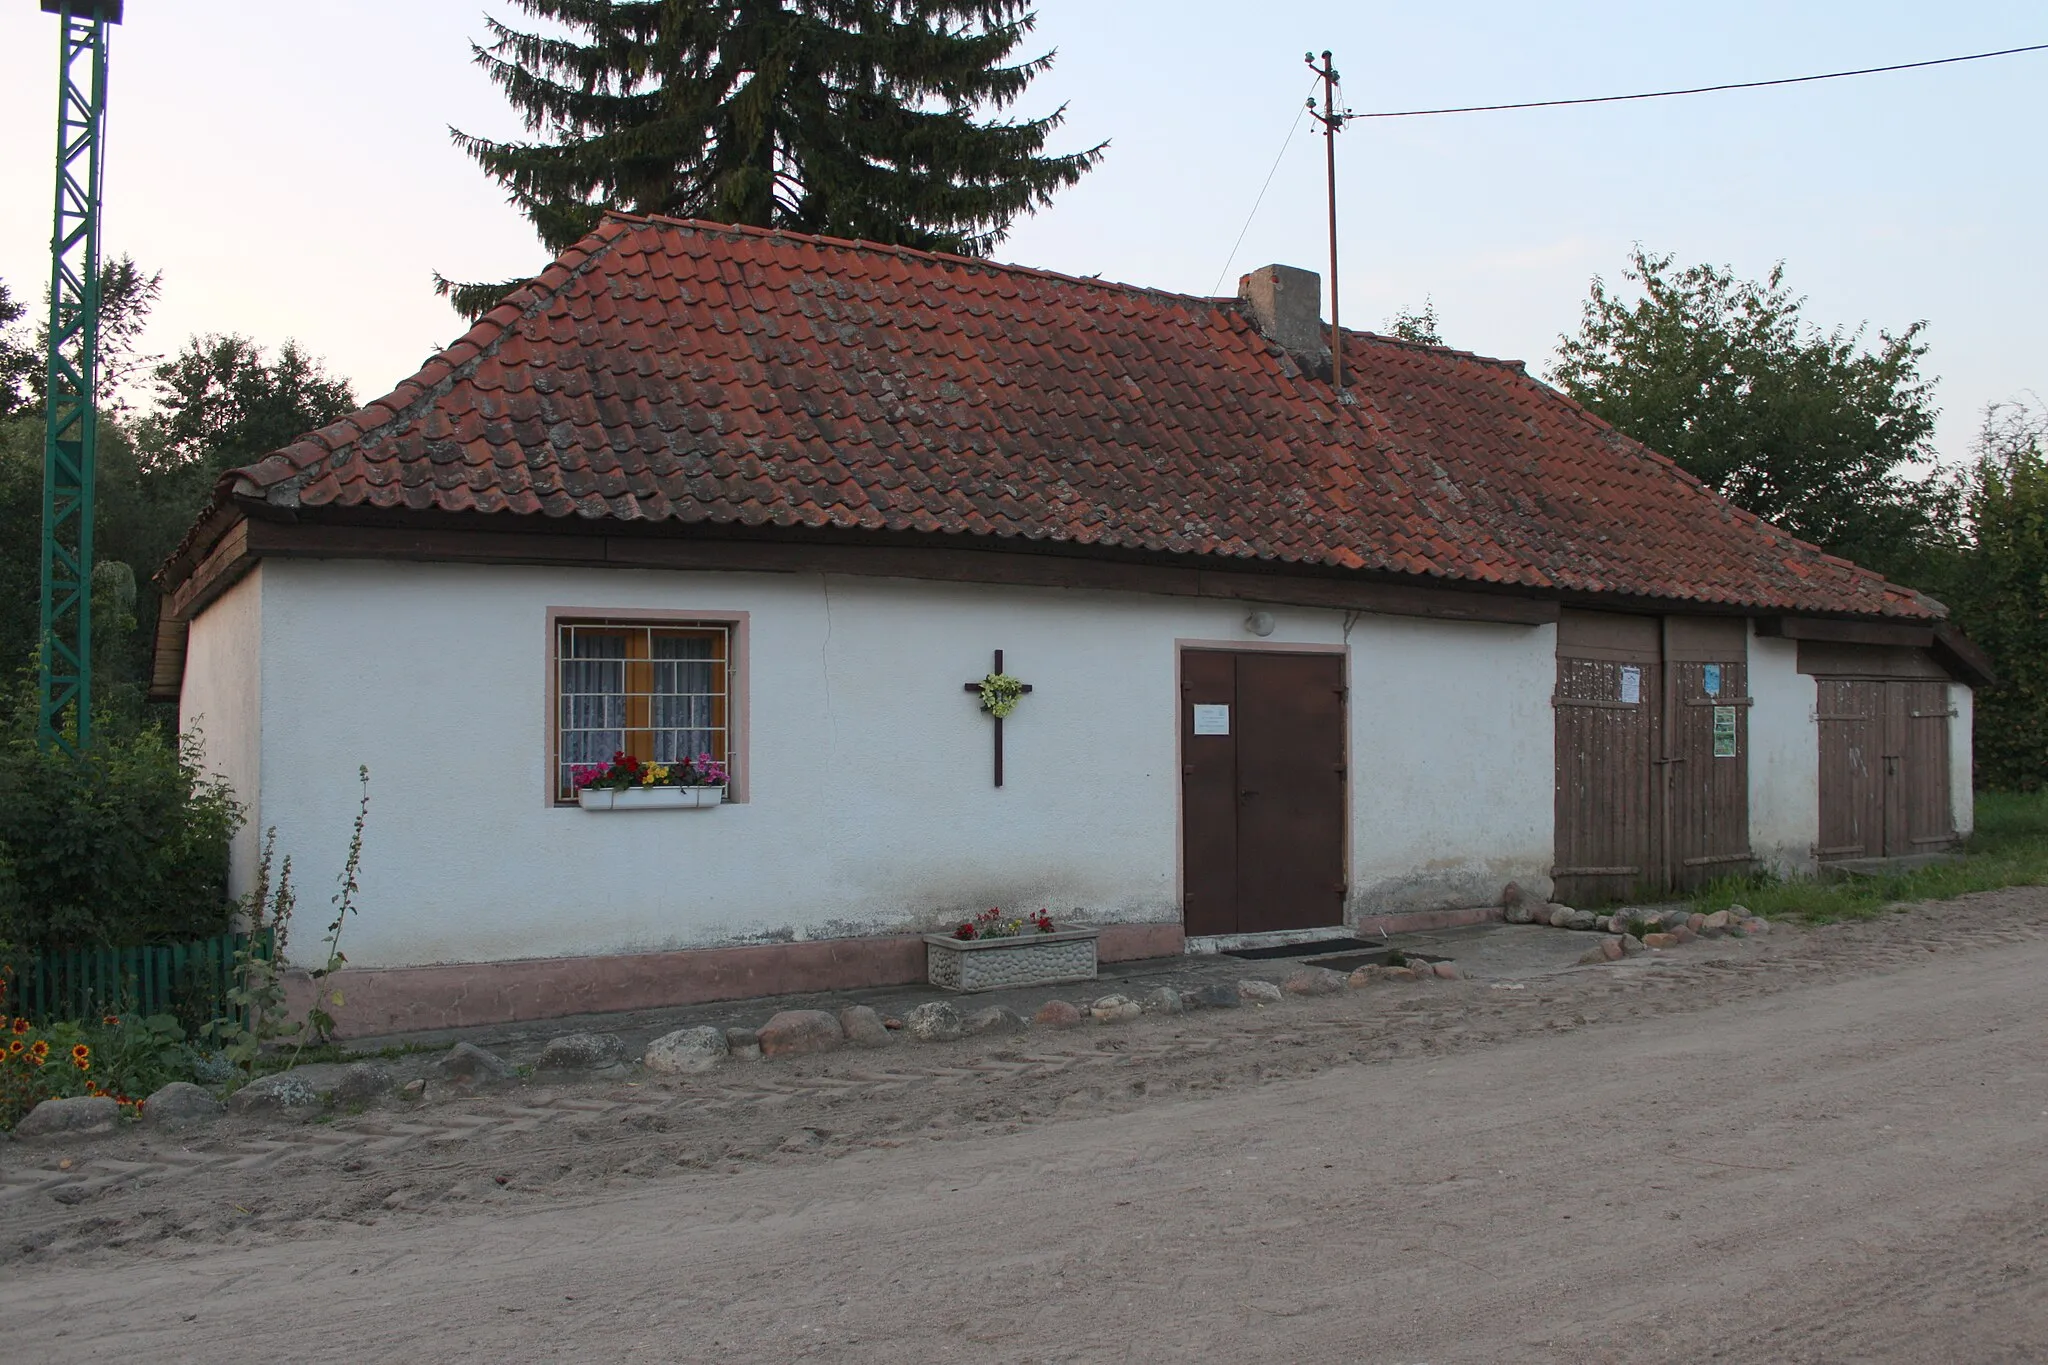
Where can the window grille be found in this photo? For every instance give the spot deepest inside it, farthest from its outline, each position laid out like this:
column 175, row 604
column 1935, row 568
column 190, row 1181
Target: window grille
column 659, row 693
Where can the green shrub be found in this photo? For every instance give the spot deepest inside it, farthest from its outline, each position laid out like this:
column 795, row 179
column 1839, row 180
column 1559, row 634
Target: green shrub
column 122, row 846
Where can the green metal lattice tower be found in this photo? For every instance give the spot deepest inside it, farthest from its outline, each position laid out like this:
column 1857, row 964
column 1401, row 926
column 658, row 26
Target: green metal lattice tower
column 64, row 714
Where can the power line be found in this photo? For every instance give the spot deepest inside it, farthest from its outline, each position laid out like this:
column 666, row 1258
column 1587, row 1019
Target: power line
column 1704, row 89
column 1285, row 143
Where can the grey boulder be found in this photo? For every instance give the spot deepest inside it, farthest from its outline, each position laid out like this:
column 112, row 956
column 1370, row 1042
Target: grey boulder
column 1256, row 992
column 935, row 1021
column 1163, row 1000
column 995, row 1020
column 181, row 1103
column 77, row 1115
column 864, row 1028
column 281, row 1092
column 1114, row 1009
column 1314, row 981
column 686, row 1051
column 361, row 1082
column 468, row 1064
column 795, row 1033
column 580, row 1052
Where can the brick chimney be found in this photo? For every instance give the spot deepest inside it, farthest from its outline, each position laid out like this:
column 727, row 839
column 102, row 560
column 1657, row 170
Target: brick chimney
column 1286, row 304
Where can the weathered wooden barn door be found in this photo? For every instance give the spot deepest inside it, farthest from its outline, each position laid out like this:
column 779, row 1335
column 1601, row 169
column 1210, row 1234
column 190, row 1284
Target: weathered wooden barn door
column 1919, row 787
column 1263, row 772
column 1851, row 716
column 1652, row 731
column 1707, row 757
column 1884, row 718
column 1609, row 705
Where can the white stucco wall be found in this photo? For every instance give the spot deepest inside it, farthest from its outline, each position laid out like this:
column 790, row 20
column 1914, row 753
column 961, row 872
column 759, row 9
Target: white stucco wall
column 1784, row 759
column 1962, row 757
column 870, row 806
column 222, row 702
column 1454, row 769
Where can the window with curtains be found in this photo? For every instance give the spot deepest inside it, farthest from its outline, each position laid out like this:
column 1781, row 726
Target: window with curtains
column 658, row 692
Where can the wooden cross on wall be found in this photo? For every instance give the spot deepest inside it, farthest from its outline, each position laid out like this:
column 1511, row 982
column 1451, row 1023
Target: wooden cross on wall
column 975, row 687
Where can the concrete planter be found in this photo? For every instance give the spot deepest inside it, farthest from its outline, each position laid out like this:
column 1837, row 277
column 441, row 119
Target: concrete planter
column 651, row 798
column 988, row 964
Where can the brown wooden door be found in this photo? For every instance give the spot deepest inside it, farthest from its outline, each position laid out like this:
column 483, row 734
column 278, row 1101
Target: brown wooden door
column 1609, row 705
column 1262, row 791
column 1708, row 771
column 1652, row 734
column 1852, row 724
column 1921, row 777
column 1884, row 779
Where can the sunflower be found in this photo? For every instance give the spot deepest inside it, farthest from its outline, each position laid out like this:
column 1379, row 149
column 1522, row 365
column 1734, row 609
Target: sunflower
column 39, row 1049
column 20, row 1025
column 79, row 1052
column 14, row 1047
column 111, row 1020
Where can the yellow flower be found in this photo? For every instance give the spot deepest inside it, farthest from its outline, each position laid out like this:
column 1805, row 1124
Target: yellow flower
column 654, row 774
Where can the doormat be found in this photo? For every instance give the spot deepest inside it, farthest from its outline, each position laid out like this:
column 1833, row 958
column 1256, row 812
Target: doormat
column 1316, row 949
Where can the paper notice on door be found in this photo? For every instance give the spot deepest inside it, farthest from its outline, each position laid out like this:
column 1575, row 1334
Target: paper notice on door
column 1631, row 684
column 1724, row 732
column 1710, row 679
column 1212, row 720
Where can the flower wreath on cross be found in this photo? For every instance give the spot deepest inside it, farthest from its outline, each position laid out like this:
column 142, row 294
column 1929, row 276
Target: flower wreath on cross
column 1000, row 694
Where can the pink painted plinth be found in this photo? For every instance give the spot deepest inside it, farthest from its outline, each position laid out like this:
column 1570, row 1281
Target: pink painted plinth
column 381, row 1000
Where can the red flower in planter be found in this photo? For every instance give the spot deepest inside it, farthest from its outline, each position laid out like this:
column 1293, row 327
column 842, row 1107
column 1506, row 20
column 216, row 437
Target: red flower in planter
column 965, row 931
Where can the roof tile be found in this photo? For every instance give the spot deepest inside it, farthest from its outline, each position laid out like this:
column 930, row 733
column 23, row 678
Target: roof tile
column 669, row 370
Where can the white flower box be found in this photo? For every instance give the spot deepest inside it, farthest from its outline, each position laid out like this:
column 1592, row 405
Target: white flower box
column 650, row 798
column 989, row 964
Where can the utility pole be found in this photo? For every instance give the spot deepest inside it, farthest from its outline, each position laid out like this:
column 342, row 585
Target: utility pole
column 64, row 673
column 1333, row 119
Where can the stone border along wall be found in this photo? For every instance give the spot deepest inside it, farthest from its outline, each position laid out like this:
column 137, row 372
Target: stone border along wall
column 1632, row 929
column 795, row 1033
column 791, row 1033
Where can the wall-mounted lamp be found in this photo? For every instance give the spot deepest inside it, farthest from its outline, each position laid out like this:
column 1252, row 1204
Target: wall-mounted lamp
column 1259, row 623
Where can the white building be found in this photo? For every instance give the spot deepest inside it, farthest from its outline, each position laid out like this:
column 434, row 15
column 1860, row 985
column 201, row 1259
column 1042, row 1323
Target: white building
column 1298, row 659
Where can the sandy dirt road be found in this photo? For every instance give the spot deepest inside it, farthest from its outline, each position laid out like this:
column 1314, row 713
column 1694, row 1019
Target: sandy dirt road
column 1835, row 1152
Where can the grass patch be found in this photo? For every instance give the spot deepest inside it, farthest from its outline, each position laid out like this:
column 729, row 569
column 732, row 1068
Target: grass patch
column 2009, row 848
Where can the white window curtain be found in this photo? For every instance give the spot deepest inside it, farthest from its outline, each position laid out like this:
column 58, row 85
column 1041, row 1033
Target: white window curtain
column 686, row 685
column 593, row 700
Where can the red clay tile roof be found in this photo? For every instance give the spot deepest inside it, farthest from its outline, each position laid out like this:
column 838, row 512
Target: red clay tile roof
column 695, row 373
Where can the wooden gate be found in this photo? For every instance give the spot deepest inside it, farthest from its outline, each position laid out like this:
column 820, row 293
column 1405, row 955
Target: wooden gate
column 1884, row 767
column 1707, row 772
column 1262, row 791
column 1652, row 736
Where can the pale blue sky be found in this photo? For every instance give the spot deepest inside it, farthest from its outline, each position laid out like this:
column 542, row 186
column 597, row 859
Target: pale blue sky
column 288, row 168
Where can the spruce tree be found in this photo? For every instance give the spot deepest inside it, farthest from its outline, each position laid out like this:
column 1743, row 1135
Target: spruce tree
column 854, row 118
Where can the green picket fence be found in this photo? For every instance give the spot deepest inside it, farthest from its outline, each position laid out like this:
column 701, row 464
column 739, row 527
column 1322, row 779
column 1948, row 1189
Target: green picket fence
column 189, row 980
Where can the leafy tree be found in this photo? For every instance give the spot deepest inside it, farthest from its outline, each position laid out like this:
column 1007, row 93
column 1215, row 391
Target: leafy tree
column 1999, row 593
column 1806, row 428
column 20, row 362
column 1411, row 324
column 851, row 117
column 127, row 298
column 220, row 403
